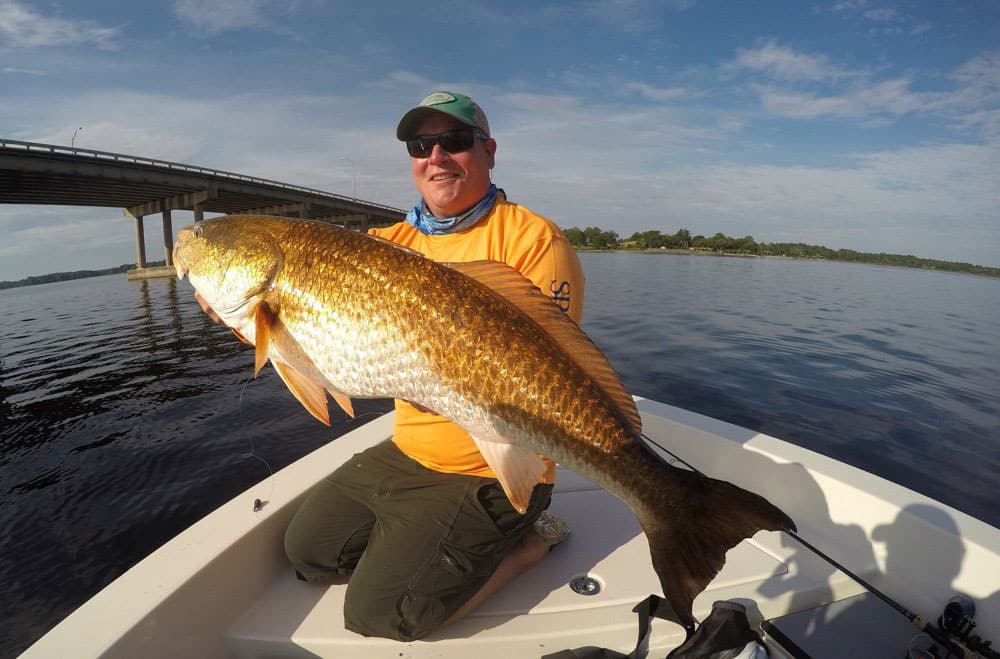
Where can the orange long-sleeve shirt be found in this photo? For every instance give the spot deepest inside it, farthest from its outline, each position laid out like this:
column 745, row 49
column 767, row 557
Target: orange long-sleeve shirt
column 530, row 244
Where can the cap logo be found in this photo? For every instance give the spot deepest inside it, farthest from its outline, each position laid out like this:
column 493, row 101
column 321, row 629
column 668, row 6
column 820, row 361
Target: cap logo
column 438, row 98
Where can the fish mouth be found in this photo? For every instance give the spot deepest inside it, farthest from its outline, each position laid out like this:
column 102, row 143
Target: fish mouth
column 179, row 266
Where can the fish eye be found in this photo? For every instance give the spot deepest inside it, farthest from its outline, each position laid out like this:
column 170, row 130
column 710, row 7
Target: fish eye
column 197, row 231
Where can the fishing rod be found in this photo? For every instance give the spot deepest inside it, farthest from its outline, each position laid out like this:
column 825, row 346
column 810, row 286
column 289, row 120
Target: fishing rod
column 955, row 624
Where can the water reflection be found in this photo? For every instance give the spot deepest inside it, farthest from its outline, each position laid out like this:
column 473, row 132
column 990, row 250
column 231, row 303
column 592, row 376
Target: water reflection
column 160, row 320
column 146, row 312
column 4, row 405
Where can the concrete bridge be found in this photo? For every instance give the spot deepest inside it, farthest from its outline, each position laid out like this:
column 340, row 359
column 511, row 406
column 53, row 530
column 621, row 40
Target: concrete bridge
column 33, row 173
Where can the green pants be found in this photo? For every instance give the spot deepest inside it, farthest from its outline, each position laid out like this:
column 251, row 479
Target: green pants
column 420, row 543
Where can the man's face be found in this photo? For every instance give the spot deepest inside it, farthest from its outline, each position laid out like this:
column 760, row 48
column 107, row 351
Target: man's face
column 452, row 182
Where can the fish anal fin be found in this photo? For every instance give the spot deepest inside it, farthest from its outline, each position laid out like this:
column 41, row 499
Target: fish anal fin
column 309, row 393
column 510, row 284
column 239, row 336
column 263, row 320
column 343, row 400
column 518, row 469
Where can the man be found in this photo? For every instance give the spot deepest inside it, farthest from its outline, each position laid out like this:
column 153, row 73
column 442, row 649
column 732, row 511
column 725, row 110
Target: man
column 419, row 521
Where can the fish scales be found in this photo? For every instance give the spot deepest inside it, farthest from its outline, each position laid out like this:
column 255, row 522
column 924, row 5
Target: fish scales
column 365, row 318
column 467, row 344
column 358, row 352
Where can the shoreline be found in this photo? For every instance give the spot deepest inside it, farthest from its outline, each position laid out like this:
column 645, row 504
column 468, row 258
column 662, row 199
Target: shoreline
column 704, row 252
column 56, row 277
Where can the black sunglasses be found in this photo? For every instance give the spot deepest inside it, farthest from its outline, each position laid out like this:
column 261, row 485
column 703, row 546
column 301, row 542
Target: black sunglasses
column 452, row 141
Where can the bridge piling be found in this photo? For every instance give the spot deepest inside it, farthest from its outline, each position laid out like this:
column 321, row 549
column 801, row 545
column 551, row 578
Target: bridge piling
column 168, row 238
column 140, row 243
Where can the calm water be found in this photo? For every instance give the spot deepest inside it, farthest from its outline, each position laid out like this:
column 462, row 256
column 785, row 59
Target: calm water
column 125, row 415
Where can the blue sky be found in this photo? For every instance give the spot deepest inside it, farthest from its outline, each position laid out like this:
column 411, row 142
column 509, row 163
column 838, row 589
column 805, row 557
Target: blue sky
column 850, row 123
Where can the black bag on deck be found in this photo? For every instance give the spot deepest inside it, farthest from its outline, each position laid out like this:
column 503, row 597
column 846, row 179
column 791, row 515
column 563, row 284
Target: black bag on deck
column 725, row 634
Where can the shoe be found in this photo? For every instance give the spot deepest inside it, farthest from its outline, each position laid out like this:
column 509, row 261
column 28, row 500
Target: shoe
column 551, row 529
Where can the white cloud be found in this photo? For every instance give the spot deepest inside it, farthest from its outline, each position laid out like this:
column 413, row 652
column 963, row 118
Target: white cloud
column 149, row 125
column 14, row 70
column 661, row 94
column 979, row 79
column 971, row 103
column 892, row 97
column 924, row 191
column 783, row 62
column 220, row 15
column 131, row 139
column 43, row 239
column 882, row 14
column 407, row 78
column 21, row 26
column 849, row 5
column 883, row 20
column 632, row 15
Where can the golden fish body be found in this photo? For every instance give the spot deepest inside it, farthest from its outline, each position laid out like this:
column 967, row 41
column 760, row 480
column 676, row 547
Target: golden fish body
column 342, row 312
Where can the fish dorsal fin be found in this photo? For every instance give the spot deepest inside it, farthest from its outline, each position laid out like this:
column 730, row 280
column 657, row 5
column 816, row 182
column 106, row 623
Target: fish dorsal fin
column 311, row 395
column 519, row 290
column 518, row 469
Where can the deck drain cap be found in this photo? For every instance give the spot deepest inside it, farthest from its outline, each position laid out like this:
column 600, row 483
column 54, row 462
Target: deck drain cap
column 585, row 585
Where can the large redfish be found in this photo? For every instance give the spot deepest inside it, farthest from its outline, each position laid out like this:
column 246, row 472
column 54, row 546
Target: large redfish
column 342, row 312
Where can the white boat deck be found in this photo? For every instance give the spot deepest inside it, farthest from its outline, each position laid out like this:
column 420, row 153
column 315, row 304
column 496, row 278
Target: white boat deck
column 293, row 618
column 223, row 587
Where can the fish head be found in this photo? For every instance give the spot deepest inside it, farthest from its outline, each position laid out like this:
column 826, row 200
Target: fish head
column 231, row 262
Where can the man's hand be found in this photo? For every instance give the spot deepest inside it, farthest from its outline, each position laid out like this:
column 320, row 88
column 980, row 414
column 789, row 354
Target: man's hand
column 207, row 309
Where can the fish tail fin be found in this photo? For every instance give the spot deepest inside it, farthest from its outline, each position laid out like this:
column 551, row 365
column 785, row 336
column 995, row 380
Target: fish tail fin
column 691, row 527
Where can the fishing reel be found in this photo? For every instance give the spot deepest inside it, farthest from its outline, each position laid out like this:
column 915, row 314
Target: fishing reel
column 957, row 618
column 953, row 635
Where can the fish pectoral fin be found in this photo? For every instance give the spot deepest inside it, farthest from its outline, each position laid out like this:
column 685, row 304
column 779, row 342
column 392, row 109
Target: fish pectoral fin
column 518, row 469
column 311, row 395
column 343, row 400
column 263, row 321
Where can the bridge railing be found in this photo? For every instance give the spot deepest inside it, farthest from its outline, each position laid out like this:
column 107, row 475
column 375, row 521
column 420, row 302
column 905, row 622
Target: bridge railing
column 56, row 149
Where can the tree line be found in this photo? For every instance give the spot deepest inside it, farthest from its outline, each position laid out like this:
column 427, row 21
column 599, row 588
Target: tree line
column 75, row 274
column 596, row 238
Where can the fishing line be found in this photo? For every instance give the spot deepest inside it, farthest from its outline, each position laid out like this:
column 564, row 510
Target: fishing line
column 917, row 621
column 258, row 504
column 374, row 414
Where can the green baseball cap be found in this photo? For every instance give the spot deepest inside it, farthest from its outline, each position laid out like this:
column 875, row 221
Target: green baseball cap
column 455, row 105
